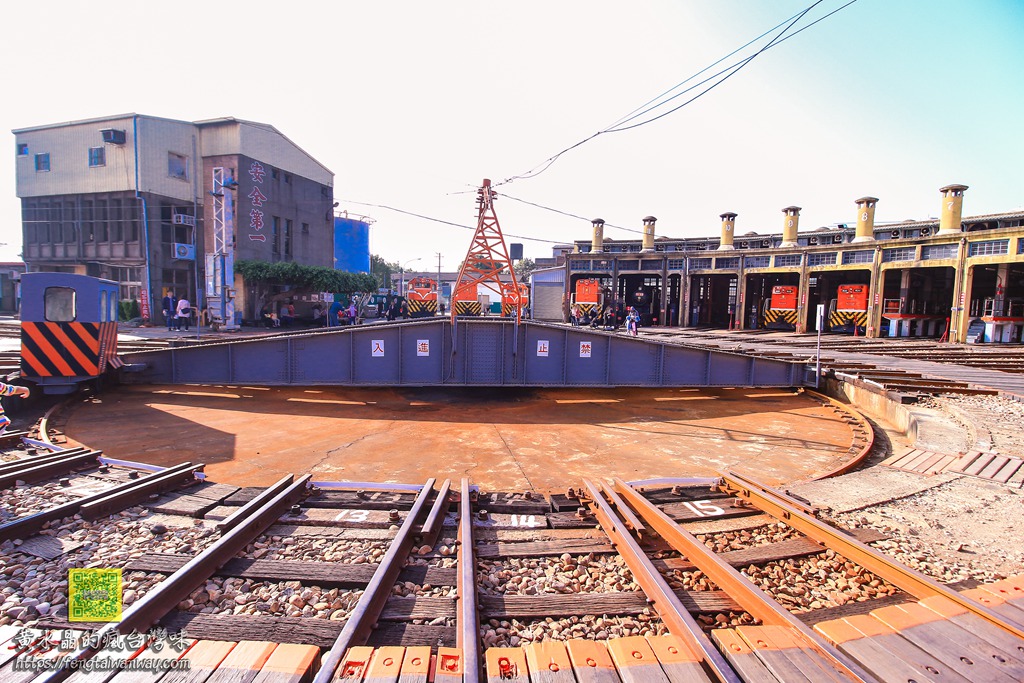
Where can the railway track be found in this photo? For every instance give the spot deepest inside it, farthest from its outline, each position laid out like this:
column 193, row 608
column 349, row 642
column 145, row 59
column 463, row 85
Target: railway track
column 712, row 579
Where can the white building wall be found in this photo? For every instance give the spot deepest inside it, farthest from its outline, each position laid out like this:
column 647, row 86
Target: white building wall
column 159, row 138
column 68, row 146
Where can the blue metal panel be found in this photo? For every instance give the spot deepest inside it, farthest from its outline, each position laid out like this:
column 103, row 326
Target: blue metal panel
column 89, row 296
column 376, row 354
column 486, row 353
column 322, row 358
column 351, row 245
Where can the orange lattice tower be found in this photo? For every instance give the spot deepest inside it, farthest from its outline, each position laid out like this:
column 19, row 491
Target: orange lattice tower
column 487, row 256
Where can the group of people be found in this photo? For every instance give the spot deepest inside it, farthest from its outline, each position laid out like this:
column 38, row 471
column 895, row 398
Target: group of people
column 177, row 312
column 612, row 318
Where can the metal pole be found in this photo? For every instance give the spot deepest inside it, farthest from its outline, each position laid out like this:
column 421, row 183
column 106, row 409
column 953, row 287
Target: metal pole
column 817, row 353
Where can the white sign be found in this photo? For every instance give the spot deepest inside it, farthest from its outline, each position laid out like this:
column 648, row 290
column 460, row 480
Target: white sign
column 377, row 348
column 422, row 347
column 585, row 349
column 542, row 347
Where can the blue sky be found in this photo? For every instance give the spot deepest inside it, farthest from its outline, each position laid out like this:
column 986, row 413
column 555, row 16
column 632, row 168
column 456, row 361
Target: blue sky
column 412, row 104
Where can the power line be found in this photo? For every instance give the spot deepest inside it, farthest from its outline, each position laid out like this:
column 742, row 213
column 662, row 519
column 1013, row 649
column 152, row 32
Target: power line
column 729, row 71
column 566, row 213
column 444, row 222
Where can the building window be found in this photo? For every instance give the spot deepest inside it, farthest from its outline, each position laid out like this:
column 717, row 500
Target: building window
column 788, row 260
column 22, row 148
column 87, row 221
column 756, row 261
column 43, row 162
column 324, row 193
column 939, row 251
column 822, row 259
column 992, row 248
column 69, row 221
column 700, row 264
column 102, row 229
column 727, row 263
column 899, row 254
column 177, row 166
column 866, row 256
column 288, row 238
column 305, row 228
column 276, row 235
column 273, row 174
column 287, row 178
column 97, row 157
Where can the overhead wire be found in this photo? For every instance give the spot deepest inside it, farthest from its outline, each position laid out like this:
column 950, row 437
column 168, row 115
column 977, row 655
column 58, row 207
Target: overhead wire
column 566, row 213
column 444, row 222
column 729, row 71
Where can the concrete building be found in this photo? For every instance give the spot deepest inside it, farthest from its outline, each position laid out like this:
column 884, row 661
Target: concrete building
column 957, row 277
column 127, row 198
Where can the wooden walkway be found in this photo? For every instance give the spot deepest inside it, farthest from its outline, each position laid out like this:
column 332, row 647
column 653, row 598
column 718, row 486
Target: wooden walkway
column 934, row 639
column 981, row 464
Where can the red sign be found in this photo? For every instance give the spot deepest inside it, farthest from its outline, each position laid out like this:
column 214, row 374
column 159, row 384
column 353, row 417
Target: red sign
column 144, row 304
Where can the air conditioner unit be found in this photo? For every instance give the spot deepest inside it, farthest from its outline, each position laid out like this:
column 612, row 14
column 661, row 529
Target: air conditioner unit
column 895, row 234
column 812, row 240
column 925, row 232
column 113, row 136
column 838, row 239
column 184, row 252
column 766, row 243
column 183, row 219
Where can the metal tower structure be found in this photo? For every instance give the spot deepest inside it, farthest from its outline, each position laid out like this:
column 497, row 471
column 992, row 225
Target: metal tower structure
column 220, row 265
column 487, row 256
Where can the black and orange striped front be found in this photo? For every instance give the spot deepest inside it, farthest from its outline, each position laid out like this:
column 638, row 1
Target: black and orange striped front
column 60, row 349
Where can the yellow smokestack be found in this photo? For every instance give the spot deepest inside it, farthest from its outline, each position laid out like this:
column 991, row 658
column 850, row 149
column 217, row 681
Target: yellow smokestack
column 728, row 231
column 597, row 241
column 790, row 226
column 952, row 209
column 865, row 219
column 648, row 244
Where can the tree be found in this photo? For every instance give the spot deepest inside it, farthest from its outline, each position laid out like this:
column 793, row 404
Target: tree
column 261, row 276
column 382, row 270
column 523, row 268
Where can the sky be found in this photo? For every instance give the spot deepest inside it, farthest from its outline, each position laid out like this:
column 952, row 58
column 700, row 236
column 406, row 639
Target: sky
column 412, row 104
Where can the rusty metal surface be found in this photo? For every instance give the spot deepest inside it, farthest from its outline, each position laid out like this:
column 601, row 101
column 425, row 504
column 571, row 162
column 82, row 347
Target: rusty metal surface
column 669, row 608
column 364, row 616
column 518, row 440
column 739, row 587
column 913, row 582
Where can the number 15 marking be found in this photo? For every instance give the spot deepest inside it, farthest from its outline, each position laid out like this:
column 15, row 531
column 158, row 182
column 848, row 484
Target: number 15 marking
column 704, row 508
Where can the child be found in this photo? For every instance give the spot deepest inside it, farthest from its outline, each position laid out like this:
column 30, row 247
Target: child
column 9, row 390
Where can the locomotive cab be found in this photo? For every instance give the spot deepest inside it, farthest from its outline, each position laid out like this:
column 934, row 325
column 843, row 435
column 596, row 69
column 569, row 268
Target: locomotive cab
column 68, row 329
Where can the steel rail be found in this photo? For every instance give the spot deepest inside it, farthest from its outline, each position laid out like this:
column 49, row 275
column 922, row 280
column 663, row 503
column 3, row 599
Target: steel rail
column 161, row 481
column 364, row 616
column 118, row 499
column 676, row 481
column 239, row 515
column 155, row 604
column 8, row 438
column 52, row 465
column 676, row 617
column 41, row 458
column 725, row 576
column 913, row 582
column 435, row 520
column 631, row 520
column 468, row 629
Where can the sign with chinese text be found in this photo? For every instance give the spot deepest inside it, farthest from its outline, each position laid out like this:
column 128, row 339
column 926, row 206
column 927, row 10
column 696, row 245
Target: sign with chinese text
column 585, row 349
column 377, row 348
column 542, row 347
column 422, row 347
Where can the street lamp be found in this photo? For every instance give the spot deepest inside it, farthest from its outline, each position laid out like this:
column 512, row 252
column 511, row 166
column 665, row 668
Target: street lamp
column 401, row 287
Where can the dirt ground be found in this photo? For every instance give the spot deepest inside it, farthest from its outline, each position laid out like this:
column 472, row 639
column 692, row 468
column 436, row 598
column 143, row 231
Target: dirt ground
column 507, row 440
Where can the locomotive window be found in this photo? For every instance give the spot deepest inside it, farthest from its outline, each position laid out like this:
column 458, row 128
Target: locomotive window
column 59, row 304
column 103, row 306
column 112, row 316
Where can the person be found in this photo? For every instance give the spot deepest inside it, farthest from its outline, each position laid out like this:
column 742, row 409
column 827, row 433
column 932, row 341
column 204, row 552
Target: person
column 574, row 315
column 632, row 321
column 440, row 307
column 403, row 310
column 10, row 390
column 170, row 308
column 183, row 313
column 392, row 309
column 352, row 312
column 288, row 314
column 609, row 319
column 318, row 316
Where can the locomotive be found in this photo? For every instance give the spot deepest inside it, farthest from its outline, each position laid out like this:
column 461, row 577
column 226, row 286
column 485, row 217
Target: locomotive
column 421, row 297
column 68, row 329
column 588, row 296
column 509, row 299
column 465, row 301
column 779, row 311
column 848, row 312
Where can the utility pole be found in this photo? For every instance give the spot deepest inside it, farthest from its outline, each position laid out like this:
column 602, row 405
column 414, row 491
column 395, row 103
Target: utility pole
column 438, row 254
